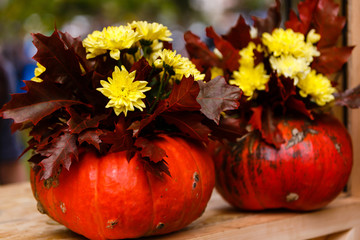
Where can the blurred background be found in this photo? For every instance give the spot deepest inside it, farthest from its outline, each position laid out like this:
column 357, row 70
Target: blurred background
column 19, row 18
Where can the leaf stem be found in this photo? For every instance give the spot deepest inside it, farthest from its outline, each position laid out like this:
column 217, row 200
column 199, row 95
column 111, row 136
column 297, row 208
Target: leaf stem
column 157, row 98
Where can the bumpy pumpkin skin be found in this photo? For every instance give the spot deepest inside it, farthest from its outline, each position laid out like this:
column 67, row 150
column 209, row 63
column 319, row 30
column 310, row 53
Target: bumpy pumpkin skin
column 109, row 198
column 309, row 170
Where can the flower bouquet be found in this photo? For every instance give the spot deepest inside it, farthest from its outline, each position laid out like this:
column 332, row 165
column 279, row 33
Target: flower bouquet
column 117, row 126
column 281, row 148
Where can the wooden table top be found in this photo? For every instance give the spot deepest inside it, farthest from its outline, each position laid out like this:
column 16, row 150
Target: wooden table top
column 19, row 219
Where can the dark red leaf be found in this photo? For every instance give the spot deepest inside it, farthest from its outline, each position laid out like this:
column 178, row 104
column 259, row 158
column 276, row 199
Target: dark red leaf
column 182, row 97
column 322, row 15
column 138, row 126
column 200, row 52
column 77, row 123
column 239, row 35
column 148, row 149
column 120, row 139
column 62, row 152
column 350, row 98
column 298, row 106
column 263, row 120
column 228, row 128
column 217, row 96
column 40, row 100
column 327, row 22
column 59, row 60
column 271, row 22
column 283, row 87
column 230, row 55
column 142, row 68
column 256, row 118
column 189, row 124
column 157, row 168
column 47, row 129
column 331, row 59
column 302, row 23
column 92, row 137
column 62, row 66
column 36, row 158
column 79, row 50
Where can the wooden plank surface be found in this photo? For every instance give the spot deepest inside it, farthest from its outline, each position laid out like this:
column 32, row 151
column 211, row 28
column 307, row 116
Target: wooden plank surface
column 19, row 219
column 353, row 9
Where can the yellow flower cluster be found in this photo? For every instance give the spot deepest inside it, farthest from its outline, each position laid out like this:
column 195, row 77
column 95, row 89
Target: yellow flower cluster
column 250, row 77
column 318, row 87
column 289, row 49
column 115, row 39
column 180, row 66
column 124, row 93
column 144, row 39
column 151, row 31
column 291, row 55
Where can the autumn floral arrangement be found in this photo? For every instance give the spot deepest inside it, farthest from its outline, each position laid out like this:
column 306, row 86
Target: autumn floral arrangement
column 116, row 93
column 108, row 91
column 287, row 80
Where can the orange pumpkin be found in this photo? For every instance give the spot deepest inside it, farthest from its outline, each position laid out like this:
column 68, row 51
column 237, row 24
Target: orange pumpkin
column 307, row 172
column 107, row 197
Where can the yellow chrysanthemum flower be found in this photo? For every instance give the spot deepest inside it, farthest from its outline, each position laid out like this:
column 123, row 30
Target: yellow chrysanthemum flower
column 215, row 72
column 290, row 67
column 190, row 69
column 284, row 42
column 111, row 38
column 119, row 38
column 151, row 31
column 312, row 37
column 318, row 87
column 247, row 54
column 37, row 72
column 181, row 66
column 250, row 79
column 288, row 42
column 124, row 93
column 94, row 44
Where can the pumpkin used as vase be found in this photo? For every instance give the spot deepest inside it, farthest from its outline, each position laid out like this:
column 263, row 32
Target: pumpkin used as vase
column 107, row 197
column 308, row 171
column 116, row 131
